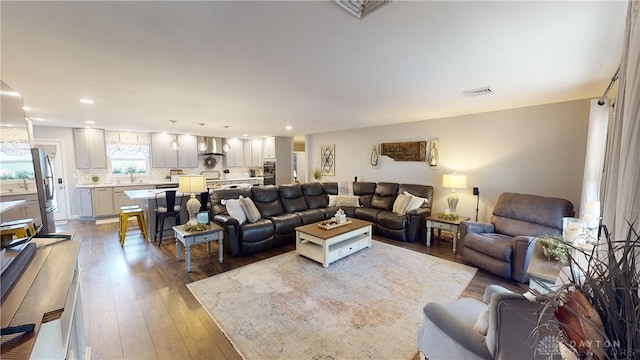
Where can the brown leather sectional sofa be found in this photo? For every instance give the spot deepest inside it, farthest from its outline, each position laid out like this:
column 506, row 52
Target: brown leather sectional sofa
column 284, row 207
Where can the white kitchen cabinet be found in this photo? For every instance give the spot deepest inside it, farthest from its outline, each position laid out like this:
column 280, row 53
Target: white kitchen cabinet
column 235, row 155
column 102, row 199
column 162, row 155
column 86, row 205
column 188, row 151
column 256, row 153
column 90, row 148
column 269, row 148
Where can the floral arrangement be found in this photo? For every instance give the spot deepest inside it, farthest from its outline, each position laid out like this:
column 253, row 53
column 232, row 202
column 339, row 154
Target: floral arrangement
column 555, row 248
column 450, row 217
column 195, row 227
column 598, row 310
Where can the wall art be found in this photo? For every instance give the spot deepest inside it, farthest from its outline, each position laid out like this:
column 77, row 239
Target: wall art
column 328, row 159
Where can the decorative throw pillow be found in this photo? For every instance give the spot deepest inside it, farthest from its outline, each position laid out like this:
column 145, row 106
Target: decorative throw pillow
column 482, row 324
column 346, row 200
column 235, row 210
column 416, row 201
column 401, row 203
column 250, row 209
column 332, row 200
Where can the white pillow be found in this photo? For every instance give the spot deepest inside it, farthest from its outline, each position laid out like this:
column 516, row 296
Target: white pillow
column 415, row 202
column 235, row 210
column 346, row 200
column 401, row 203
column 250, row 209
column 482, row 324
column 332, row 200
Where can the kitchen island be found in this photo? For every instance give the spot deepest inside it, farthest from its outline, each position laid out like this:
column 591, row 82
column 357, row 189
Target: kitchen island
column 149, row 199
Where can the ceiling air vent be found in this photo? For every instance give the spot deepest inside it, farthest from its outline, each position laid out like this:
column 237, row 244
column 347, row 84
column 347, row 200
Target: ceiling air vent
column 479, row 91
column 359, row 8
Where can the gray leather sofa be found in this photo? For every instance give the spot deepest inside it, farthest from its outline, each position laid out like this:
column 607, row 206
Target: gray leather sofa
column 505, row 245
column 283, row 208
column 508, row 329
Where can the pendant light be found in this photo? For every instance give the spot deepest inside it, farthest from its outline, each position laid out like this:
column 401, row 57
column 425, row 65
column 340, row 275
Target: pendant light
column 202, row 145
column 174, row 143
column 226, row 147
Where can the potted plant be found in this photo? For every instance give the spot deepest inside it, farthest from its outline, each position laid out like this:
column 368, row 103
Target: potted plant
column 598, row 310
column 317, row 174
column 95, row 178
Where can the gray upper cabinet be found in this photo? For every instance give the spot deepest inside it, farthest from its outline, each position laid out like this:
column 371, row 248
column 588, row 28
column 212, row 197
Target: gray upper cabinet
column 90, row 149
column 188, row 151
column 269, row 148
column 256, row 153
column 162, row 155
column 235, row 155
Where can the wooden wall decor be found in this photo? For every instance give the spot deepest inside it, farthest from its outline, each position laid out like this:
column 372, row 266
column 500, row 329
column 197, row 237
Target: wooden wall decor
column 405, row 151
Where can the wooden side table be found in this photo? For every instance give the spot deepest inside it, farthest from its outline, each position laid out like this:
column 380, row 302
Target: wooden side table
column 186, row 239
column 453, row 226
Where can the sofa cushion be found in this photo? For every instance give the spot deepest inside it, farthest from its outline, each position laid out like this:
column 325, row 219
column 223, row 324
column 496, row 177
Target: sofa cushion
column 330, row 187
column 249, row 209
column 384, row 196
column 267, row 200
column 497, row 246
column 234, row 209
column 286, row 223
column 314, row 195
column 364, row 190
column 257, row 231
column 416, row 201
column 545, row 211
column 292, row 198
column 347, row 200
column 312, row 215
column 401, row 203
column 391, row 220
column 368, row 214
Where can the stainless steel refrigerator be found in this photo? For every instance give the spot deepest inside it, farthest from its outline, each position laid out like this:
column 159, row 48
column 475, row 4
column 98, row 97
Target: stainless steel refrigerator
column 43, row 168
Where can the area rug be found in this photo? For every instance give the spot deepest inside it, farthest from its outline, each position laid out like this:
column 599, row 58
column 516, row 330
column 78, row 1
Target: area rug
column 367, row 305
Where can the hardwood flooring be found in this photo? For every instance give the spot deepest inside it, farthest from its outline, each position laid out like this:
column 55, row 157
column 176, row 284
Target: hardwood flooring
column 136, row 304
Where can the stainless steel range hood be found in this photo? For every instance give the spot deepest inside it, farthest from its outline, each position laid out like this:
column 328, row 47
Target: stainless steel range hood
column 209, row 146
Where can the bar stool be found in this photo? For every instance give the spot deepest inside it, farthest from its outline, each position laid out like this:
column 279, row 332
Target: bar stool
column 170, row 209
column 17, row 230
column 127, row 212
column 31, row 226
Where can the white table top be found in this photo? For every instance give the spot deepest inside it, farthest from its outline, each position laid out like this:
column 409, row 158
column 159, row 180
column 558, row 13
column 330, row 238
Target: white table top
column 6, row 205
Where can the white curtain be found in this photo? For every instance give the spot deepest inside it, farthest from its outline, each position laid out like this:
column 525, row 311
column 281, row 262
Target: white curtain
column 594, row 160
column 622, row 193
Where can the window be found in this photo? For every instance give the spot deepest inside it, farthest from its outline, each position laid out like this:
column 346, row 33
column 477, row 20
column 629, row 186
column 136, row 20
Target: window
column 127, row 153
column 15, row 155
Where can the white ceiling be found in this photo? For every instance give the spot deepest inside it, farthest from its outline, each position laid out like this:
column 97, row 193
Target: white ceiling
column 259, row 66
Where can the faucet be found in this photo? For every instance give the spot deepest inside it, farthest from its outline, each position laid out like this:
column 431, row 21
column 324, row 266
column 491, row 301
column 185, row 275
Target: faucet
column 130, row 173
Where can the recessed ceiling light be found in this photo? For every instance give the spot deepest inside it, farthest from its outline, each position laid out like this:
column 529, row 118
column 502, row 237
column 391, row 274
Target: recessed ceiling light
column 26, row 108
column 288, row 127
column 87, row 101
column 8, row 125
column 90, row 122
column 245, row 135
column 38, row 119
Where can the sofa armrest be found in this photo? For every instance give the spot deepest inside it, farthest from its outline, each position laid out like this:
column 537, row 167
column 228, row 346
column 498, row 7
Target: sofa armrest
column 494, row 289
column 473, row 227
column 523, row 247
column 417, row 228
column 231, row 233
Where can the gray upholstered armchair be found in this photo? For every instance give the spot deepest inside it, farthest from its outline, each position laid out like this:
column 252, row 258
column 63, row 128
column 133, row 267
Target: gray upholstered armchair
column 505, row 245
column 502, row 326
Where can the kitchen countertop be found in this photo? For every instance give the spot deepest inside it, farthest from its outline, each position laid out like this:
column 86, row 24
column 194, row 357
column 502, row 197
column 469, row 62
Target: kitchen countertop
column 6, row 205
column 153, row 183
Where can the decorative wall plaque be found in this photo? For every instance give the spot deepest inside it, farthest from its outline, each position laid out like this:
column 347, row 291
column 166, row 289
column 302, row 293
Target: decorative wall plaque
column 405, row 151
column 328, row 159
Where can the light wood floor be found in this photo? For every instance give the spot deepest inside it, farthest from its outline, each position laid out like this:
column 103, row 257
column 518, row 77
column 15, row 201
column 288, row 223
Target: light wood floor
column 136, row 304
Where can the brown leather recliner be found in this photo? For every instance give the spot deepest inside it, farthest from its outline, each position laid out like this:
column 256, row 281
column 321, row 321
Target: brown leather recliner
column 505, row 245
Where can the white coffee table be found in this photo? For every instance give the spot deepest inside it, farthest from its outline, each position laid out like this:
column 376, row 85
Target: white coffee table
column 327, row 246
column 186, row 239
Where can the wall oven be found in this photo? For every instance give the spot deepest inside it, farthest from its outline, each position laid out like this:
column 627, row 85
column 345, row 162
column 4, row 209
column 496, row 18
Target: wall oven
column 269, row 172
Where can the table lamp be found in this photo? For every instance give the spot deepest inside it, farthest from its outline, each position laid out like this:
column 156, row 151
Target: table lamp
column 192, row 184
column 454, row 181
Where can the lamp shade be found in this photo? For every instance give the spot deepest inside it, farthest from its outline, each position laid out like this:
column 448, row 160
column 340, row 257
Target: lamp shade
column 454, row 181
column 192, row 184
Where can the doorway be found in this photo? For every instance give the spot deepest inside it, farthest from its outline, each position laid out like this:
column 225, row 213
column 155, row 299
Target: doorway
column 53, row 148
